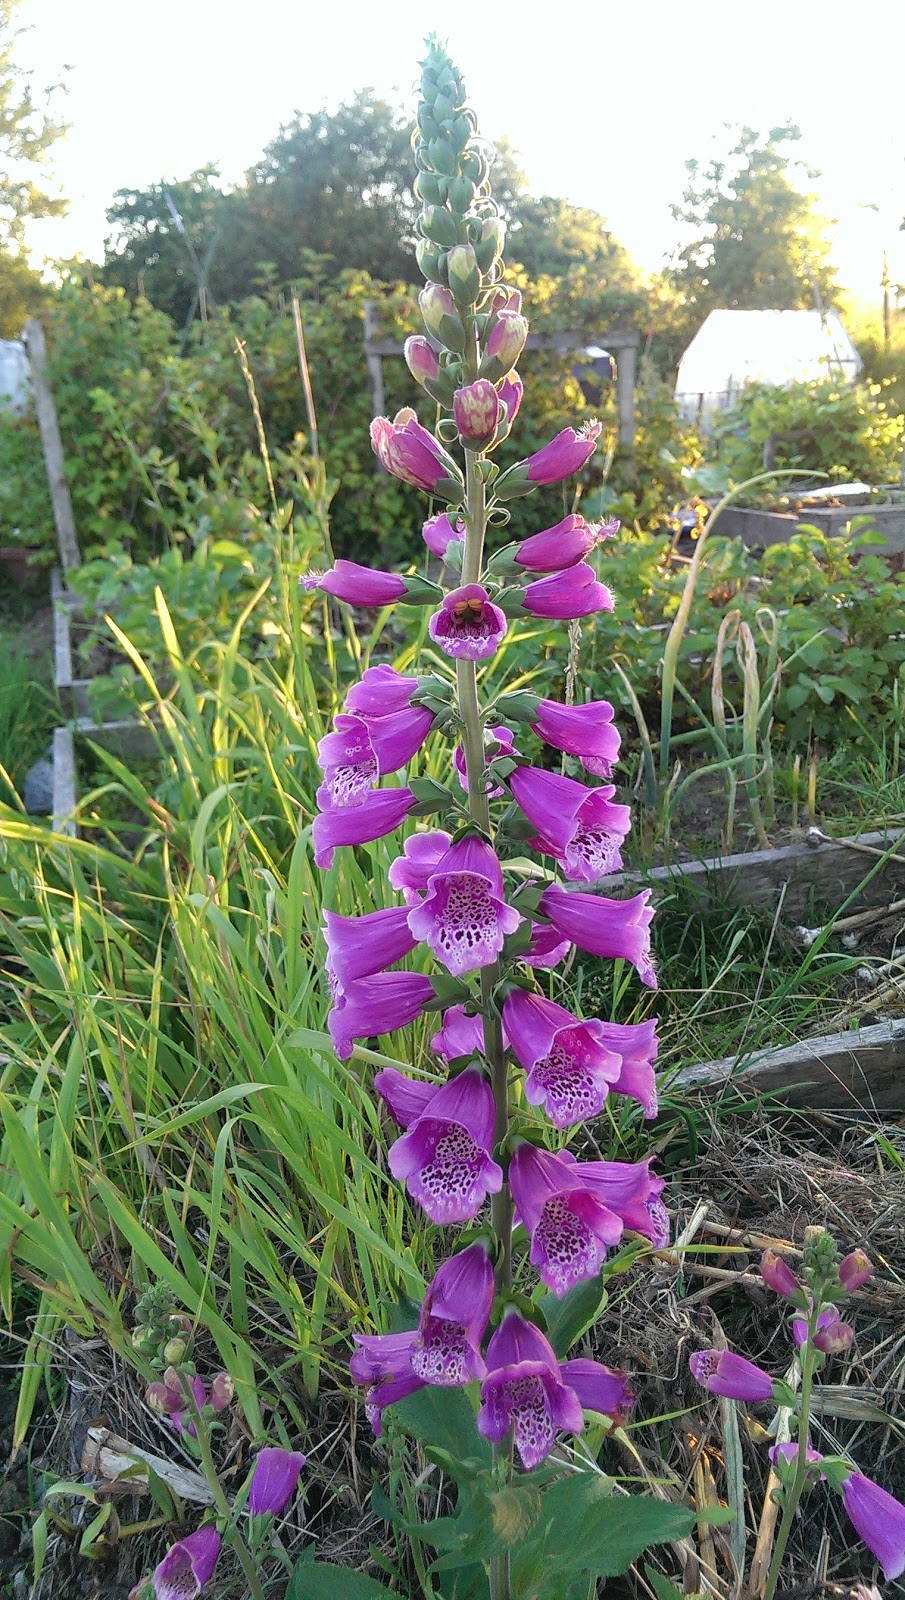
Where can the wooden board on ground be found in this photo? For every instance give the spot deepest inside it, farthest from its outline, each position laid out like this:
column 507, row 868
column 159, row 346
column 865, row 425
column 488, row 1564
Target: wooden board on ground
column 832, row 871
column 862, row 1069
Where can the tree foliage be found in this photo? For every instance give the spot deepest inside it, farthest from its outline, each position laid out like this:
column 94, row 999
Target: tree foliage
column 28, row 131
column 757, row 242
column 334, row 188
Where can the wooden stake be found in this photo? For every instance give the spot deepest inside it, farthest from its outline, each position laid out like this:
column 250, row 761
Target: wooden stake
column 52, row 445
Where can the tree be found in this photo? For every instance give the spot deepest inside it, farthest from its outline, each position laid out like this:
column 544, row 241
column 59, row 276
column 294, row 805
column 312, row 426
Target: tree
column 27, row 133
column 757, row 240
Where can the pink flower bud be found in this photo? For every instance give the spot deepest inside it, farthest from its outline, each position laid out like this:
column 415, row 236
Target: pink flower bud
column 438, row 534
column 778, row 1275
column 854, row 1270
column 506, row 339
column 510, row 392
column 834, row 1338
column 505, row 299
column 421, row 360
column 435, row 302
column 222, row 1392
column 476, row 411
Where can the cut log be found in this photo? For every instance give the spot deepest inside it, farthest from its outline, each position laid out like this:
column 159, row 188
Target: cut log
column 861, row 1069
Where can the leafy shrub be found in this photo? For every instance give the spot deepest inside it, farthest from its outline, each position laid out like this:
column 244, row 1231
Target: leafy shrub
column 820, row 427
column 26, row 515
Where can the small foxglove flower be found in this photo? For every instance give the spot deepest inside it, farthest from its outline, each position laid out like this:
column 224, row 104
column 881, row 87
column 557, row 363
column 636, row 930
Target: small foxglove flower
column 879, row 1521
column 570, row 1068
column 468, row 626
column 375, row 1005
column 580, row 827
column 444, row 1159
column 854, row 1270
column 525, row 1390
column 360, row 946
column 382, row 1362
column 613, row 929
column 571, row 1229
column 274, row 1479
column 362, row 750
column 357, row 585
column 566, row 596
column 378, row 814
column 187, row 1566
column 411, row 453
column 439, row 533
column 380, row 691
column 497, row 742
column 463, row 917
column 585, row 731
column 558, row 547
column 723, row 1372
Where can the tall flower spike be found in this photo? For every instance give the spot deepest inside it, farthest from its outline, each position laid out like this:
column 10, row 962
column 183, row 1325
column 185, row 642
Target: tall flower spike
column 464, row 917
column 444, row 1158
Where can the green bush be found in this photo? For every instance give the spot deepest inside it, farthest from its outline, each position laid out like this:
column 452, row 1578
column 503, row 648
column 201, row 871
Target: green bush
column 823, row 427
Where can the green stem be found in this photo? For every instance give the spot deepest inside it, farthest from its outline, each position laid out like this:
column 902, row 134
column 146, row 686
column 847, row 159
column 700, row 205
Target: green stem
column 479, row 811
column 793, row 1495
column 246, row 1560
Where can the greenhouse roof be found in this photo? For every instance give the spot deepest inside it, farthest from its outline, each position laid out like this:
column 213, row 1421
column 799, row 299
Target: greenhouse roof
column 734, row 348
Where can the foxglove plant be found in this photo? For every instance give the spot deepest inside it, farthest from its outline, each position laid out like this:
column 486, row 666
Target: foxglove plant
column 477, row 1128
column 819, row 1333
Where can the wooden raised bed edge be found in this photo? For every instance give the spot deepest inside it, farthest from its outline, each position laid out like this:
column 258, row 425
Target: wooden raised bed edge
column 860, row 1070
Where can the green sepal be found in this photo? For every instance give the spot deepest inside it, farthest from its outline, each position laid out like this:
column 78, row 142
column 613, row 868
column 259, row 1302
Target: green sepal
column 511, row 602
column 452, row 331
column 520, row 706
column 421, row 592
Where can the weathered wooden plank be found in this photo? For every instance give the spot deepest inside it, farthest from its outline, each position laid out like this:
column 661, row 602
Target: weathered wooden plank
column 864, row 1068
column 62, row 640
column 52, row 445
column 64, row 792
column 832, row 870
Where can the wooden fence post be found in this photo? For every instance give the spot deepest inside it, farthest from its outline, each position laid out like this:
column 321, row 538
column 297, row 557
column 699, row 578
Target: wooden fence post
column 52, row 445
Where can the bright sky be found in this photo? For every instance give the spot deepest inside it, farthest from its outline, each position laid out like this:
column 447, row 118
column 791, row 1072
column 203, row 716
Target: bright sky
column 602, row 101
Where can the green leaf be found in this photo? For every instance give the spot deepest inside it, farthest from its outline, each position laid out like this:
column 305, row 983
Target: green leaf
column 568, row 1318
column 663, row 1587
column 586, row 1528
column 321, row 1580
column 444, row 1423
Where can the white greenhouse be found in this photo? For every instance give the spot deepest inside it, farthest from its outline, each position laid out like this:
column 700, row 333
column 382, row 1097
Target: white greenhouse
column 734, row 348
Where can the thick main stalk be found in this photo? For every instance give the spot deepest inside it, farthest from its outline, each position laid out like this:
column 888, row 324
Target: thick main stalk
column 479, row 810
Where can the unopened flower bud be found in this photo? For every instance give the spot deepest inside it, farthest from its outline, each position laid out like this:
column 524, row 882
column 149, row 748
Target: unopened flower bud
column 435, row 302
column 429, row 259
column 158, row 1396
column 834, row 1338
column 476, row 411
column 222, row 1392
column 778, row 1275
column 505, row 299
column 461, row 195
column 174, row 1351
column 506, row 341
column 854, row 1270
column 489, row 247
column 421, row 360
column 439, row 225
column 464, row 274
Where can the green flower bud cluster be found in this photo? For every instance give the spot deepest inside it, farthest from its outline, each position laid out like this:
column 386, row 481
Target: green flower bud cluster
column 462, row 236
column 162, row 1334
